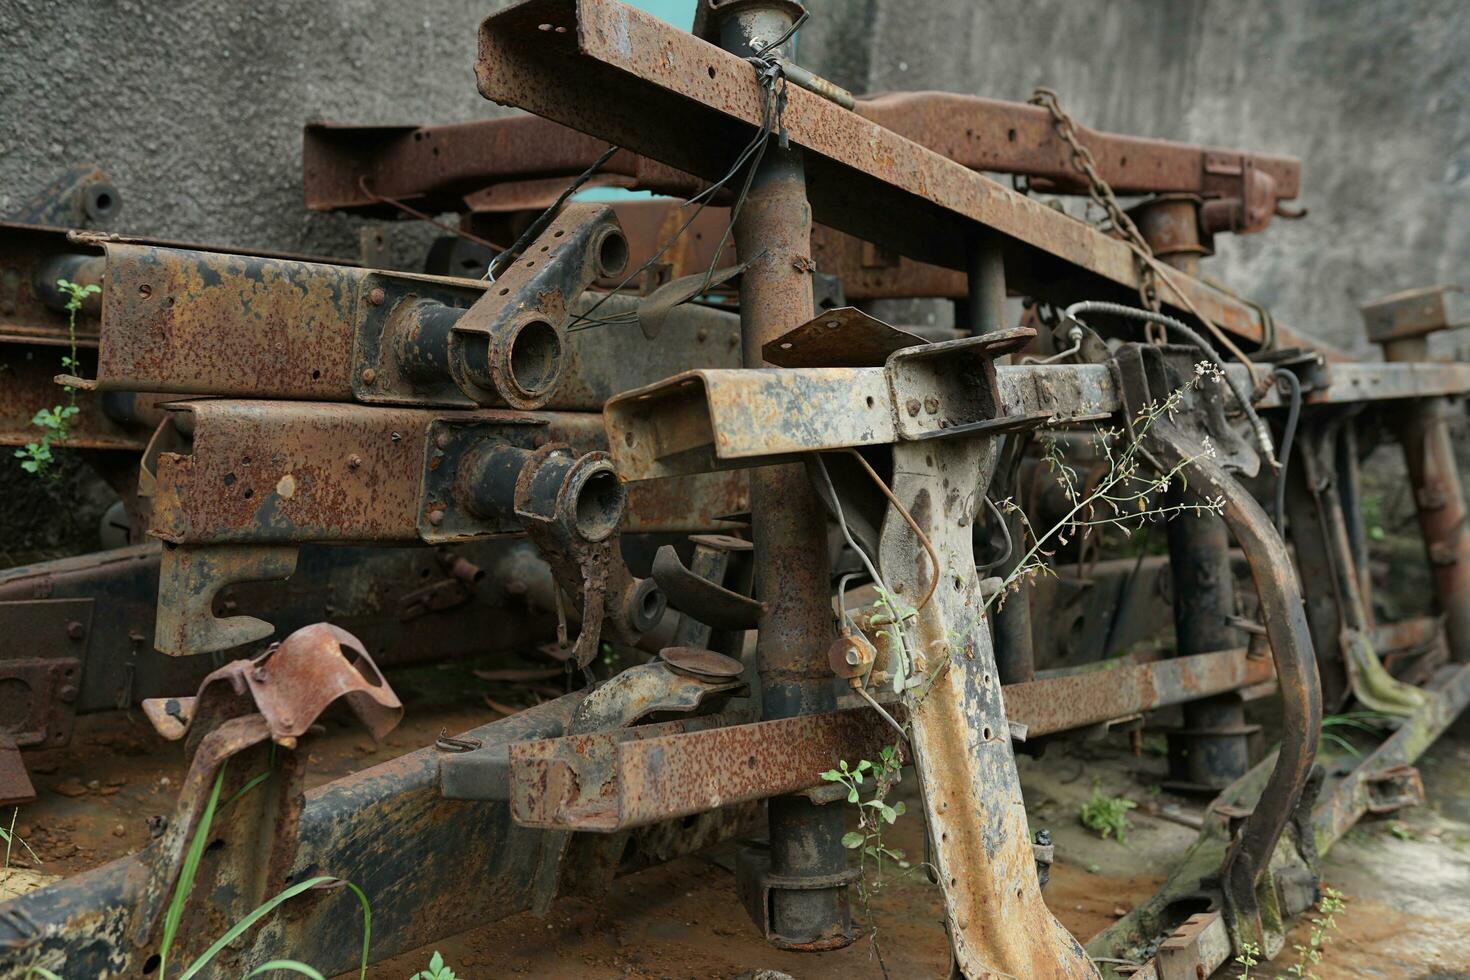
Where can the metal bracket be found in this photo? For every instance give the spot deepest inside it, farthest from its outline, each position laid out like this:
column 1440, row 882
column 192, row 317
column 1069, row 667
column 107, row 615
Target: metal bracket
column 189, row 578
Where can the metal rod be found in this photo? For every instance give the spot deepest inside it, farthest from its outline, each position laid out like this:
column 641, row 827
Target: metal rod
column 789, row 525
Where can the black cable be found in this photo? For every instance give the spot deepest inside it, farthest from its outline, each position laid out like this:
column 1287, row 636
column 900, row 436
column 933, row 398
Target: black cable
column 768, row 72
column 536, row 227
column 1293, row 413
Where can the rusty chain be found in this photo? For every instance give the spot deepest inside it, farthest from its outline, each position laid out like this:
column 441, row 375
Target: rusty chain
column 1101, row 193
column 1149, row 268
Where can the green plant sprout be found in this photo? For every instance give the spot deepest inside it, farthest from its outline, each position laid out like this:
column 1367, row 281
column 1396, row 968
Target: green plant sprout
column 1107, row 815
column 436, row 971
column 36, row 457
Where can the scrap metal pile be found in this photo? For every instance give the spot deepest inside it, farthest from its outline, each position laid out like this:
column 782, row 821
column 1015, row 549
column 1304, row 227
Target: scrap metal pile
column 657, row 424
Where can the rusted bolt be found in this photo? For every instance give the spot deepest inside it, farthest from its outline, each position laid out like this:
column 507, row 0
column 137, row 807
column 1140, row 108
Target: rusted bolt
column 74, row 630
column 68, row 692
column 436, row 517
column 803, row 264
column 442, row 440
column 702, row 335
column 354, row 461
column 369, row 376
column 931, row 404
column 395, row 436
column 912, row 405
column 377, row 296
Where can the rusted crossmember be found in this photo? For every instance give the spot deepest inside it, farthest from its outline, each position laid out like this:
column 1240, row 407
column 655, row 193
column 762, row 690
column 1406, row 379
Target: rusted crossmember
column 353, row 168
column 616, row 780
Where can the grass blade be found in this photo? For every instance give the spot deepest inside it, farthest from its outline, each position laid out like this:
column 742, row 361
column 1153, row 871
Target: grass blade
column 182, row 887
column 268, row 906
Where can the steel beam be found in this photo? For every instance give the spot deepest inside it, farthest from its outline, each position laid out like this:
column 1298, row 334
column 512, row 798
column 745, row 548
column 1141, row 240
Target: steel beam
column 617, row 73
column 704, row 420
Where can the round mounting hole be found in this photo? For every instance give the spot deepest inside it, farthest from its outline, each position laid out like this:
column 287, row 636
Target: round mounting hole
column 248, row 493
column 711, row 71
column 145, row 290
column 986, row 732
column 612, row 253
column 316, row 375
column 599, row 505
column 750, row 763
column 535, row 357
column 558, row 234
column 104, row 201
column 1011, row 135
column 869, row 400
column 150, row 965
column 504, row 290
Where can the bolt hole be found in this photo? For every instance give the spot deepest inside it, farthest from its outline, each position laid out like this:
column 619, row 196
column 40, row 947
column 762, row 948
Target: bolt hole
column 986, row 732
column 229, row 479
column 244, row 460
column 248, row 493
column 217, row 844
column 150, row 965
column 316, row 375
column 145, row 290
column 869, row 400
column 504, row 290
column 1011, row 135
column 558, row 234
column 750, row 763
column 169, row 301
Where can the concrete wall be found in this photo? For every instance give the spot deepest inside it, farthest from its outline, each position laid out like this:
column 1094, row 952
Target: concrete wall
column 196, row 108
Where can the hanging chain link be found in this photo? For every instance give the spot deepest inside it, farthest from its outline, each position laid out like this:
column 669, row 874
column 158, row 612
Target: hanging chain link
column 1101, row 193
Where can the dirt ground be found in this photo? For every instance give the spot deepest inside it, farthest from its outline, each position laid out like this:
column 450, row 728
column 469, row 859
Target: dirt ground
column 1407, row 878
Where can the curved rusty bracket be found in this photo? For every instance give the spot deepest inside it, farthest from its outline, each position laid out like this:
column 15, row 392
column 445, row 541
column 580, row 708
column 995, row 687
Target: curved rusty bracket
column 247, row 705
column 709, row 602
column 1286, row 628
column 510, row 347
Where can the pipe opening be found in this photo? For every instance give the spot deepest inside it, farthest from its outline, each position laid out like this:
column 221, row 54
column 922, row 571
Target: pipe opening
column 535, row 357
column 599, row 506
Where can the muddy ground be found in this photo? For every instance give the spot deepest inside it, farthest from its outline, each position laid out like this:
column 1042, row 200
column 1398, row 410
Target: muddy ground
column 1407, row 877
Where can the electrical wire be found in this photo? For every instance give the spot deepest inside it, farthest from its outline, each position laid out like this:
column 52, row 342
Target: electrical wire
column 768, row 73
column 416, row 213
column 1263, row 433
column 909, row 518
column 535, row 228
column 1005, row 529
column 1293, row 413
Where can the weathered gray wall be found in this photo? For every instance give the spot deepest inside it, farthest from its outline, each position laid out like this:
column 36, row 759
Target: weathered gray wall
column 196, row 107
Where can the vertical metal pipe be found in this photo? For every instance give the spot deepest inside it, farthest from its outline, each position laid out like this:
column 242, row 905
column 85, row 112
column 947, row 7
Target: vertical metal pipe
column 1440, row 499
column 1213, row 750
column 792, row 576
column 986, row 306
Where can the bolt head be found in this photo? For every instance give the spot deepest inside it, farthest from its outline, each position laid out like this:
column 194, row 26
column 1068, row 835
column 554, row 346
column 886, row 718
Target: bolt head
column 75, row 630
column 931, row 404
column 377, row 296
column 68, row 693
column 354, row 461
column 369, row 376
column 913, row 406
column 436, row 517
